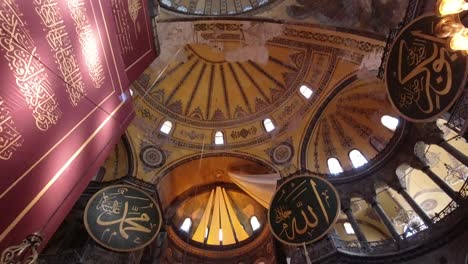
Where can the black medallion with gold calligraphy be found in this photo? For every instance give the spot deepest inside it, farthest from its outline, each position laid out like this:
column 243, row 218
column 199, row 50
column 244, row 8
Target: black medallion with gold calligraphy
column 303, row 210
column 122, row 218
column 423, row 76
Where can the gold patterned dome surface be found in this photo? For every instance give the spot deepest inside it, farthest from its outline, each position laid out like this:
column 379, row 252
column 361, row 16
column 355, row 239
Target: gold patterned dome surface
column 351, row 119
column 212, row 89
column 215, row 7
column 230, row 77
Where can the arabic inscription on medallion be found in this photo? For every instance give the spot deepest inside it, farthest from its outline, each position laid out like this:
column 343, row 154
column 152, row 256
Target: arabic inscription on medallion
column 303, row 210
column 122, row 218
column 423, row 77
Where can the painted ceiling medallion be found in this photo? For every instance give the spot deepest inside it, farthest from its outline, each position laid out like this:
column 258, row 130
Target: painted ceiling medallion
column 429, row 205
column 282, row 153
column 152, row 156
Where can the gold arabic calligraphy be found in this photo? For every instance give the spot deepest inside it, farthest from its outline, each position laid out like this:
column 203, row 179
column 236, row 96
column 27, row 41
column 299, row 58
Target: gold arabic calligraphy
column 88, row 42
column 10, row 138
column 131, row 221
column 289, row 222
column 31, row 77
column 420, row 86
column 120, row 222
column 60, row 43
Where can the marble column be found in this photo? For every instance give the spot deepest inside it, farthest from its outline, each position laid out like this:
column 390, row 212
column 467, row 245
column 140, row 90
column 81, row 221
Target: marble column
column 417, row 209
column 441, row 183
column 455, row 152
column 385, row 219
column 357, row 229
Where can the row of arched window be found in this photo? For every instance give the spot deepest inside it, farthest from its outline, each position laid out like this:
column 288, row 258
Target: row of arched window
column 388, row 121
column 356, row 157
column 219, row 135
column 187, row 224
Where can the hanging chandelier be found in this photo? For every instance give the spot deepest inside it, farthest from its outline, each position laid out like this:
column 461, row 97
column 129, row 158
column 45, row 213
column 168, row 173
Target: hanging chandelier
column 450, row 26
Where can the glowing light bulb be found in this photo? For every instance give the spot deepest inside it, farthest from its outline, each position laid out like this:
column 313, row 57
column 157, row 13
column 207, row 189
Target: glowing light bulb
column 447, row 7
column 459, row 41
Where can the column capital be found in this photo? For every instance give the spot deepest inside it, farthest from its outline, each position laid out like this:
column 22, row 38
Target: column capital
column 397, row 184
column 418, row 164
column 429, row 132
column 345, row 201
column 372, row 200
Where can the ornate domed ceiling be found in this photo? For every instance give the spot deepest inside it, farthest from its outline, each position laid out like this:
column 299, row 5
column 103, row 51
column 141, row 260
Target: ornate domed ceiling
column 215, row 7
column 229, row 76
column 349, row 119
column 214, row 89
column 379, row 16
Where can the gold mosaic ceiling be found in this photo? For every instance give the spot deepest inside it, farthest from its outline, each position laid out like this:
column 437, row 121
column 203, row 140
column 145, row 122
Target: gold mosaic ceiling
column 215, row 7
column 229, row 76
column 210, row 91
column 350, row 120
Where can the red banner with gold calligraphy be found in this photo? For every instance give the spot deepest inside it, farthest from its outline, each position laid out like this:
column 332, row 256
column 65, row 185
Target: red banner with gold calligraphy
column 64, row 103
column 135, row 36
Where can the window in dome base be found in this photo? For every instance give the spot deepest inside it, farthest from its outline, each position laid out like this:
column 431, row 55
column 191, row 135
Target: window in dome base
column 334, row 166
column 186, row 225
column 306, row 91
column 348, row 228
column 389, row 122
column 254, row 223
column 166, row 127
column 357, row 158
column 219, row 138
column 268, row 124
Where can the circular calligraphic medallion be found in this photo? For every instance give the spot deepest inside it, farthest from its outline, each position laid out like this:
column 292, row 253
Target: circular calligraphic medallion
column 152, row 157
column 303, row 210
column 122, row 218
column 282, row 153
column 423, row 77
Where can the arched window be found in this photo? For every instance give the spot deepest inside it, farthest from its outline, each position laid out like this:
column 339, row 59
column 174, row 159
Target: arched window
column 186, row 225
column 166, row 127
column 219, row 138
column 254, row 223
column 348, row 228
column 334, row 166
column 389, row 122
column 220, row 235
column 357, row 158
column 306, row 91
column 268, row 124
column 182, row 8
